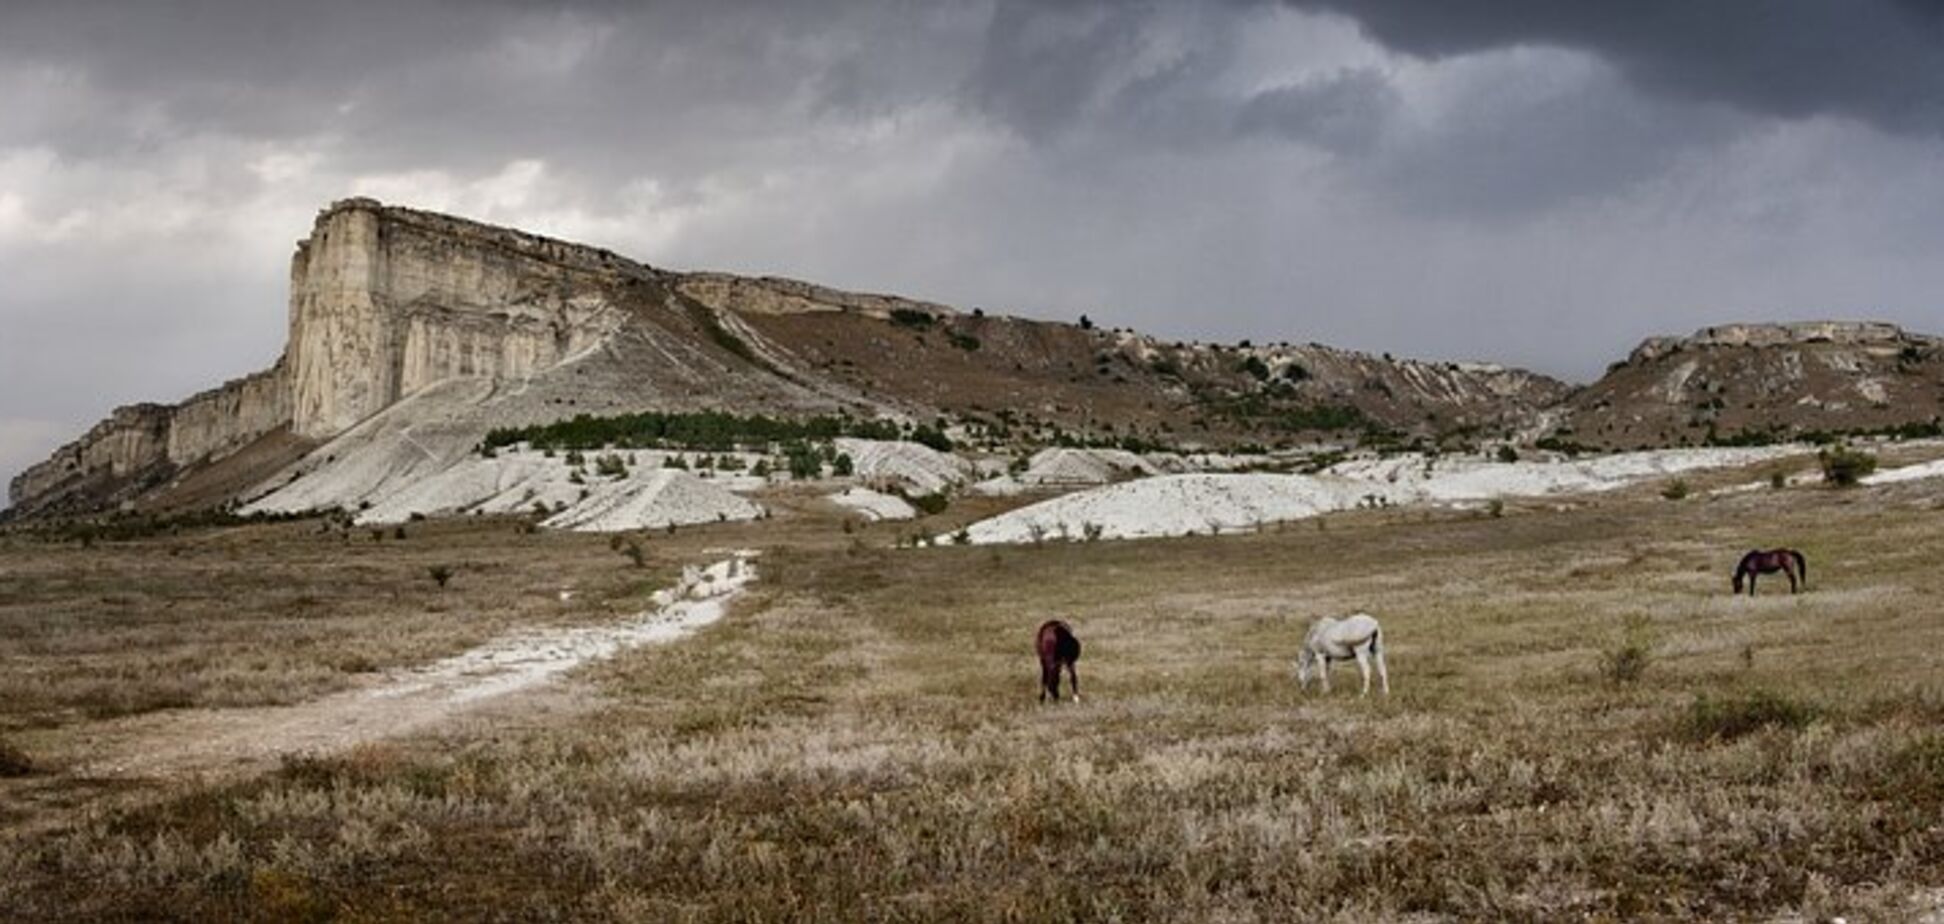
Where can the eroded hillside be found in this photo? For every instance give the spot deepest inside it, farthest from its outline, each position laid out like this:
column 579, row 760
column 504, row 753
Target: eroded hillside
column 1763, row 382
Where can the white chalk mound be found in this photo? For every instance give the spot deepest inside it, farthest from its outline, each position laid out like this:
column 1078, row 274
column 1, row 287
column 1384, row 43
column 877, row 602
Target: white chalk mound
column 1063, row 466
column 660, row 497
column 913, row 466
column 1931, row 469
column 873, row 505
column 1469, row 479
column 1175, row 505
column 1171, row 505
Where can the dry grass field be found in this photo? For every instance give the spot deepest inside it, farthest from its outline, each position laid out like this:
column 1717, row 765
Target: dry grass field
column 1585, row 725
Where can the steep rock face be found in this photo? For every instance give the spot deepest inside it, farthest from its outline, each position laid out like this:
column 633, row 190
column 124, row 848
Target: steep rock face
column 222, row 420
column 385, row 301
column 123, row 451
column 1763, row 381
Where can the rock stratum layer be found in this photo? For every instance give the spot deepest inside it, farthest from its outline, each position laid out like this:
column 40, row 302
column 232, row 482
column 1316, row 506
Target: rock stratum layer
column 413, row 333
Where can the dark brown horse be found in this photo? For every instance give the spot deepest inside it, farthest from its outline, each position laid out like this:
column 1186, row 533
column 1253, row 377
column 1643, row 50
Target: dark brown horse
column 1787, row 561
column 1056, row 646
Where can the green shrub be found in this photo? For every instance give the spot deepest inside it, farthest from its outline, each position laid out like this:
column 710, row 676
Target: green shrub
column 1507, row 454
column 930, row 504
column 1778, row 479
column 912, row 318
column 1675, row 490
column 1496, row 508
column 1627, row 660
column 1731, row 717
column 931, row 436
column 1843, row 466
column 842, row 466
column 439, row 574
column 611, row 465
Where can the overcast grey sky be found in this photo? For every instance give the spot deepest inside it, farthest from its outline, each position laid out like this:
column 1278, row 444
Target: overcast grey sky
column 1542, row 183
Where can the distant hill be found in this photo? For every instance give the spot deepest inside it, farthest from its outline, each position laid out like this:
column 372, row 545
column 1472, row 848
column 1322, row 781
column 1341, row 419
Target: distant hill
column 1763, row 382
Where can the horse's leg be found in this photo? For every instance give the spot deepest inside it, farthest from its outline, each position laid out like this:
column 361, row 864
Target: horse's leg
column 1046, row 687
column 1363, row 667
column 1323, row 673
column 1751, row 582
column 1789, row 570
column 1383, row 676
column 1073, row 674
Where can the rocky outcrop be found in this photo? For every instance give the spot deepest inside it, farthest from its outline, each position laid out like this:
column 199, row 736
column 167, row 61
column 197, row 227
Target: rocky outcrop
column 1758, row 382
column 1852, row 333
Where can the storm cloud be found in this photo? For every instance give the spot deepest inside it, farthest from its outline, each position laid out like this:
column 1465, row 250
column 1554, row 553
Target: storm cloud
column 1539, row 183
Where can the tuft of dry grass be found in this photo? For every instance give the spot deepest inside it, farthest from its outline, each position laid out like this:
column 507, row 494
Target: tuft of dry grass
column 13, row 760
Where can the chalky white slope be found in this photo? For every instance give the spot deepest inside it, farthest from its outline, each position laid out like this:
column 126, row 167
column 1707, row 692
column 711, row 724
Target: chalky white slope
column 1174, row 505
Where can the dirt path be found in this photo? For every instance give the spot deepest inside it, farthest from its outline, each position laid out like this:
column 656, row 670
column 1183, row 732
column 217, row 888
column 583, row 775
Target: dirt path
column 509, row 672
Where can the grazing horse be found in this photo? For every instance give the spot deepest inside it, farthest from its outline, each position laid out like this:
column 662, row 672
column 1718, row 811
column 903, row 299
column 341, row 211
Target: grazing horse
column 1787, row 561
column 1057, row 647
column 1355, row 636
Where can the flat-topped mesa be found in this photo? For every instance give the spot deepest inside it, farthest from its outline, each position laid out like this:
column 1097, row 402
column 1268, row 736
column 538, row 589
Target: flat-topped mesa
column 1764, row 335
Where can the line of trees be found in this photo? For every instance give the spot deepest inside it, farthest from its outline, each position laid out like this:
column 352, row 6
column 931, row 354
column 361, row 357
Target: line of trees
column 712, row 431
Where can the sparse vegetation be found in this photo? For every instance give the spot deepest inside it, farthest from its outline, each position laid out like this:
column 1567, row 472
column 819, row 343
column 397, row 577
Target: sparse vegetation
column 1676, row 489
column 1732, row 716
column 439, row 574
column 858, row 740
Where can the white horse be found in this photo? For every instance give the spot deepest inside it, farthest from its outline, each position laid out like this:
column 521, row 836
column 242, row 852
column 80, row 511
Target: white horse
column 1330, row 639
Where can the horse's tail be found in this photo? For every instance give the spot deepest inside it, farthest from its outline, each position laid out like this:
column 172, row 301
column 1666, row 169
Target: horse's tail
column 1377, row 640
column 1802, row 565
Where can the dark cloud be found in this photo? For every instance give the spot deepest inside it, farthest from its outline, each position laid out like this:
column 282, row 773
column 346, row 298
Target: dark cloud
column 1535, row 182
column 1873, row 60
column 1343, row 111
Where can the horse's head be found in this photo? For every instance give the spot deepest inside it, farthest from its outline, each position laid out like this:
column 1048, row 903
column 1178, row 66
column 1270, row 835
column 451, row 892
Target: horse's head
column 1738, row 580
column 1305, row 666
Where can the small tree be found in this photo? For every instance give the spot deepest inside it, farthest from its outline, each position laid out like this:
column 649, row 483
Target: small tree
column 843, row 467
column 440, row 574
column 1507, row 454
column 1627, row 661
column 1844, row 467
